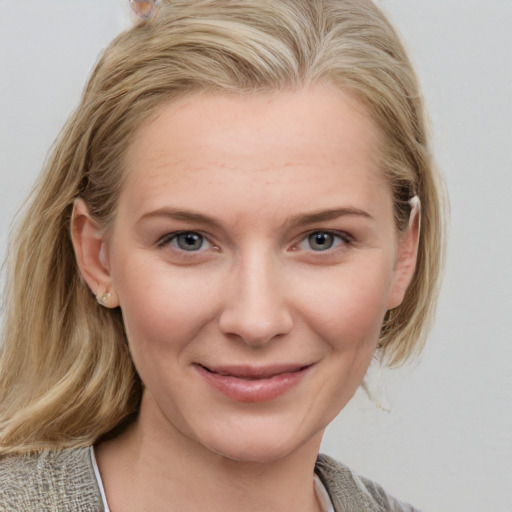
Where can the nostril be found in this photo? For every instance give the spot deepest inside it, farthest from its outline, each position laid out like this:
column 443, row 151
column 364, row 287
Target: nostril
column 252, row 329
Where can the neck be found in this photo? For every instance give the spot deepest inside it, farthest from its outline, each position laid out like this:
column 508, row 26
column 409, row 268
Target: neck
column 148, row 468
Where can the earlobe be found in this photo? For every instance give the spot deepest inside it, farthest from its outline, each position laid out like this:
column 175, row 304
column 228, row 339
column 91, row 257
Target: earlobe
column 106, row 299
column 91, row 254
column 407, row 254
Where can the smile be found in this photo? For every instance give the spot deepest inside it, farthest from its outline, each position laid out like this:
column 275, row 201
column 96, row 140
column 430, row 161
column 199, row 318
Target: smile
column 251, row 384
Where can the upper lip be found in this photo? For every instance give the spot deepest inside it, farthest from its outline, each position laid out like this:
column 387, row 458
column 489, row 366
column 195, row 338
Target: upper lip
column 254, row 372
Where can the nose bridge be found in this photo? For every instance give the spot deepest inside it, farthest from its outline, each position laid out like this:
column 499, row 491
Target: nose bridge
column 256, row 308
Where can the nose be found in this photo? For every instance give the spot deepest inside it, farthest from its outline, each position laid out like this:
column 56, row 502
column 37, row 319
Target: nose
column 256, row 310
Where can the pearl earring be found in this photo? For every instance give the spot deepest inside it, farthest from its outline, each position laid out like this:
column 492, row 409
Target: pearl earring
column 103, row 299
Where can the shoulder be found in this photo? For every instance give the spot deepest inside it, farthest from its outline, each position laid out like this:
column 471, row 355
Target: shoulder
column 350, row 492
column 49, row 480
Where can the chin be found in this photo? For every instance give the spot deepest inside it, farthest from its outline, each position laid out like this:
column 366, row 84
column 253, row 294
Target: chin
column 253, row 453
column 262, row 446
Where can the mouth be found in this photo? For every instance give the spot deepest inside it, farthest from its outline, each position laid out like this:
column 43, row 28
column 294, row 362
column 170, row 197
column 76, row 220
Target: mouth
column 255, row 373
column 253, row 384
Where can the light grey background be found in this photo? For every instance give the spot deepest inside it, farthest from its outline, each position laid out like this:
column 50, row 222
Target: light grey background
column 446, row 445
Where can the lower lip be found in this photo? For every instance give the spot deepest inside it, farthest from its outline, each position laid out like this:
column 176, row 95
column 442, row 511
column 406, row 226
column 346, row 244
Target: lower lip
column 253, row 390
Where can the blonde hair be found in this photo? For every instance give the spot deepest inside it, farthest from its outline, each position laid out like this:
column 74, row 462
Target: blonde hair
column 66, row 373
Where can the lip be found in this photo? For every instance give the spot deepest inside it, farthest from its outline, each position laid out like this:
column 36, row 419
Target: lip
column 253, row 384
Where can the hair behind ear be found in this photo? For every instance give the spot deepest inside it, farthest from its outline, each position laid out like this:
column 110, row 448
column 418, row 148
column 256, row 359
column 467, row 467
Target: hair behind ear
column 66, row 374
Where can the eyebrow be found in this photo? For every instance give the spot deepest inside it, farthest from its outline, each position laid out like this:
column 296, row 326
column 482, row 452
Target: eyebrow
column 183, row 215
column 294, row 222
column 326, row 215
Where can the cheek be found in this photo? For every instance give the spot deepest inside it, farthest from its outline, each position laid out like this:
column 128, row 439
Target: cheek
column 162, row 310
column 349, row 319
column 348, row 307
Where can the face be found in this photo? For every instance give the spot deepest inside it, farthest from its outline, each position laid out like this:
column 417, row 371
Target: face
column 254, row 256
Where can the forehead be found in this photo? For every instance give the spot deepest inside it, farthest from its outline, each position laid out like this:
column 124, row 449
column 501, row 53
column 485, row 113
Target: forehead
column 286, row 137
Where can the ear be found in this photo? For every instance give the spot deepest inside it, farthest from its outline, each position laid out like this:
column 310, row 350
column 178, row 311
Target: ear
column 91, row 253
column 407, row 254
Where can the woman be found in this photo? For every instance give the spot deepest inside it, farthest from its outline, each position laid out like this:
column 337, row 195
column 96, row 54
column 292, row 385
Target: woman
column 240, row 215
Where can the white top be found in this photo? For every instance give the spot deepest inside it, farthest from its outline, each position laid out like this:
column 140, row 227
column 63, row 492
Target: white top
column 321, row 492
column 99, row 480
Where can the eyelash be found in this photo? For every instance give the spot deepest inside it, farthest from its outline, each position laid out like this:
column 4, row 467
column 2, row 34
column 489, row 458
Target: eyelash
column 338, row 238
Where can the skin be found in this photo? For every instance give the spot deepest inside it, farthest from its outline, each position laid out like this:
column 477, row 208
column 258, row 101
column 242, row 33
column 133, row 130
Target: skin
column 251, row 178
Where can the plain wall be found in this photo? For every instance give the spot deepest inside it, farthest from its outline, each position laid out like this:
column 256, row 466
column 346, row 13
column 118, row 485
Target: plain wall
column 447, row 442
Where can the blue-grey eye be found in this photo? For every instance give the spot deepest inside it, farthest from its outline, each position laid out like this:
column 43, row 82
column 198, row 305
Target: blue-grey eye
column 321, row 240
column 189, row 241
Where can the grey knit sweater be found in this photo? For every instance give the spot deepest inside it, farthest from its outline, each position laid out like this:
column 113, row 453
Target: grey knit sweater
column 64, row 481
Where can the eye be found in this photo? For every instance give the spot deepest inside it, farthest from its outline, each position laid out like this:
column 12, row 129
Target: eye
column 319, row 241
column 189, row 241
